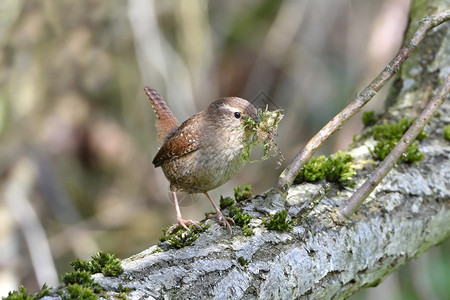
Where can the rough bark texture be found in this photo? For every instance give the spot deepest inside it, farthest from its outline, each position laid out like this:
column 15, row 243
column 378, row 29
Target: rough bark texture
column 406, row 214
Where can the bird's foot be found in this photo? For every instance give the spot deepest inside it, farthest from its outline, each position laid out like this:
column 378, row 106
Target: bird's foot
column 224, row 221
column 183, row 223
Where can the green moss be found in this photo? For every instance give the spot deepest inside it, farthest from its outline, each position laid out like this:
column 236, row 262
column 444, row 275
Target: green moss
column 243, row 193
column 447, row 132
column 106, row 264
column 314, row 170
column 337, row 168
column 101, row 262
column 22, row 294
column 262, row 133
column 388, row 135
column 79, row 283
column 267, row 131
column 241, row 219
column 395, row 131
column 242, row 261
column 369, row 118
column 279, row 221
column 76, row 291
column 45, row 291
column 122, row 296
column 82, row 278
column 122, row 290
column 157, row 250
column 247, row 230
column 245, row 154
column 239, row 216
column 180, row 238
column 81, row 265
column 226, row 202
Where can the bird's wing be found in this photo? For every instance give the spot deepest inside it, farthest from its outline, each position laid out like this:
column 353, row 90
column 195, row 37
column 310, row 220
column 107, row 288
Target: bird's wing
column 183, row 141
column 166, row 123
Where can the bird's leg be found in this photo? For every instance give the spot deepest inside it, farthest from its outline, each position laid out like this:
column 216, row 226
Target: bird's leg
column 224, row 221
column 181, row 221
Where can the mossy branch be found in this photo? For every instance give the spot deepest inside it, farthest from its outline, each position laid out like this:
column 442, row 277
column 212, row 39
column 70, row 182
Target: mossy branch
column 287, row 177
column 355, row 201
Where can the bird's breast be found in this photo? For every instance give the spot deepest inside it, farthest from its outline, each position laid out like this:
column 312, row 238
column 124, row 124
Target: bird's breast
column 210, row 166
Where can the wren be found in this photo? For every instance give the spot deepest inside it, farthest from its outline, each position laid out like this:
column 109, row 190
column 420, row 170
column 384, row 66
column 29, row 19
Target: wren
column 205, row 151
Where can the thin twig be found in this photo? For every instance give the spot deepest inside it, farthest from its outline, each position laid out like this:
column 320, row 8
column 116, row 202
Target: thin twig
column 354, row 202
column 287, row 177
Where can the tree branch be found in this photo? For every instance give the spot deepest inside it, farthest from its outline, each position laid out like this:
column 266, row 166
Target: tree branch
column 408, row 213
column 354, row 202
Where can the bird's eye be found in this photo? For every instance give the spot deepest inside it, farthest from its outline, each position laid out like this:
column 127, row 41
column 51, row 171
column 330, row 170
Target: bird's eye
column 237, row 115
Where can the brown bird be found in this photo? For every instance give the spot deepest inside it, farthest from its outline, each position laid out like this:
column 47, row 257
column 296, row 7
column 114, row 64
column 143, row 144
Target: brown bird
column 205, row 151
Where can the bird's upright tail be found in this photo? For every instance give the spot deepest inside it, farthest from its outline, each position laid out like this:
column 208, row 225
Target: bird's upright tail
column 166, row 123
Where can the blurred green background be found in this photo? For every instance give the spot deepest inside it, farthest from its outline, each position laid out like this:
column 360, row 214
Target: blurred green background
column 77, row 131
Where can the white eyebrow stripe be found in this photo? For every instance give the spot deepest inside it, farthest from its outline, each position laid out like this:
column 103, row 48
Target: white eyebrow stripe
column 230, row 108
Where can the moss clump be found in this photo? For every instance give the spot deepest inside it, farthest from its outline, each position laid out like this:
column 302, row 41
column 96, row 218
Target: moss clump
column 106, row 264
column 79, row 283
column 264, row 133
column 239, row 216
column 80, row 279
column 45, row 291
column 337, row 168
column 279, row 221
column 388, row 135
column 267, row 131
column 241, row 219
column 76, row 291
column 101, row 262
column 180, row 237
column 447, row 132
column 122, row 290
column 122, row 296
column 369, row 118
column 22, row 294
column 243, row 193
column 226, row 202
column 242, row 261
column 247, row 230
column 157, row 250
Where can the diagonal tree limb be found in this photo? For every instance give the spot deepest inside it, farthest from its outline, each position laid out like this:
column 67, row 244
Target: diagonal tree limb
column 287, row 177
column 354, row 202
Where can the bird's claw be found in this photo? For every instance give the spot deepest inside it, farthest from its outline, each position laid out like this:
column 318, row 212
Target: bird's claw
column 183, row 223
column 224, row 221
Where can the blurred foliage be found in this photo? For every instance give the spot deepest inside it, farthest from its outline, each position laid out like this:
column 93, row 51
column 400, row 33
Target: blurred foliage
column 72, row 106
column 369, row 118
